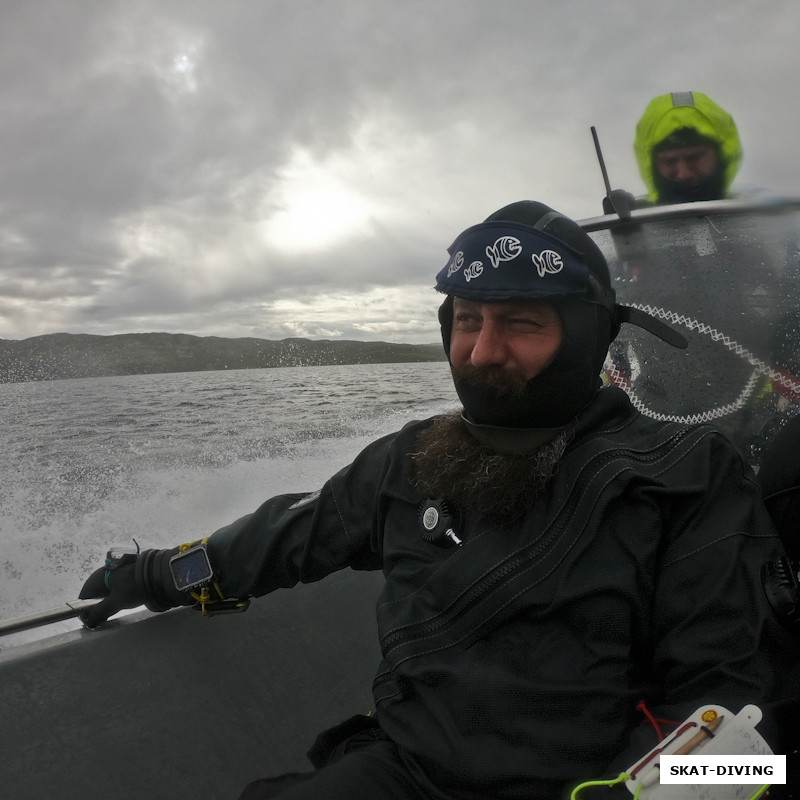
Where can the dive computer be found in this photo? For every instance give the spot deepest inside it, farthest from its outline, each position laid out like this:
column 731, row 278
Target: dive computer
column 191, row 569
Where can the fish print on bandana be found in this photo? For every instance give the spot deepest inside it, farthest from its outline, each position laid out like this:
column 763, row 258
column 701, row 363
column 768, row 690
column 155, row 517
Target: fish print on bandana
column 456, row 264
column 474, row 270
column 504, row 260
column 547, row 262
column 506, row 248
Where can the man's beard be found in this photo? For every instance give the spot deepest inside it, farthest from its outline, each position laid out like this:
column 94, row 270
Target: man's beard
column 495, row 395
column 508, row 382
column 451, row 465
column 711, row 187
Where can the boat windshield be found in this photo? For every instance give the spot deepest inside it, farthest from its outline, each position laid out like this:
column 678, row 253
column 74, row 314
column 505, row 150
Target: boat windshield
column 727, row 276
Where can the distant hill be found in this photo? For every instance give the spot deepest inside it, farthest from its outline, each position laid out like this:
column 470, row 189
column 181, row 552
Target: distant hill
column 66, row 355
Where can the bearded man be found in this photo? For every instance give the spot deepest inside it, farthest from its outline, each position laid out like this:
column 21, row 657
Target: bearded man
column 552, row 558
column 687, row 148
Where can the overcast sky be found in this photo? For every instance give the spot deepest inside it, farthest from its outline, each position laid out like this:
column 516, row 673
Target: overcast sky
column 279, row 168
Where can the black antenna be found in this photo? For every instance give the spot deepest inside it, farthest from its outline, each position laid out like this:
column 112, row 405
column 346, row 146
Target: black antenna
column 602, row 161
column 616, row 201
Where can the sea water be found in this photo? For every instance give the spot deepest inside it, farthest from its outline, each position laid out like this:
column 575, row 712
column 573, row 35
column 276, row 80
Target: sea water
column 166, row 459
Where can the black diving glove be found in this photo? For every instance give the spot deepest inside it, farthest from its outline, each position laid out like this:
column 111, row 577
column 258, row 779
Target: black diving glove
column 130, row 581
column 619, row 202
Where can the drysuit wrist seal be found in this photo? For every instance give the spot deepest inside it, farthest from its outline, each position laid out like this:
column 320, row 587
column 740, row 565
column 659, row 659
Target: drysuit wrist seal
column 154, row 579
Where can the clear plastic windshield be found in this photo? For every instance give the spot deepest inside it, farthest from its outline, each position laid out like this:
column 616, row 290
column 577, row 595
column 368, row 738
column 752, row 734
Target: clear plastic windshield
column 729, row 280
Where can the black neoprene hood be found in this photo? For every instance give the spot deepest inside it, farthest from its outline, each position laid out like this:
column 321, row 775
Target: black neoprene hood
column 529, row 251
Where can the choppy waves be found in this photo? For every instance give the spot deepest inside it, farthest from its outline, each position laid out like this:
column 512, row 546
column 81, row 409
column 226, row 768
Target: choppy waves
column 164, row 459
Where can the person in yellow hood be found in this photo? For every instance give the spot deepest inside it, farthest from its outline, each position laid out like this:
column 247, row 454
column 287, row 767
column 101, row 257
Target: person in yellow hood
column 687, row 148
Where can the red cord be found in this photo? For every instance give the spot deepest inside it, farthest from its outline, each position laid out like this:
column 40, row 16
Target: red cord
column 640, row 706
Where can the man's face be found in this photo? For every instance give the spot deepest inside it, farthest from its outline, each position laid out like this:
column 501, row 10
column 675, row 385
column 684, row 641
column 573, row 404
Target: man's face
column 689, row 165
column 520, row 336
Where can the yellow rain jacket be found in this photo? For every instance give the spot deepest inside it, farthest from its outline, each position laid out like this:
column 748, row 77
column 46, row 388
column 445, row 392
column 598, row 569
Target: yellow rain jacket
column 670, row 112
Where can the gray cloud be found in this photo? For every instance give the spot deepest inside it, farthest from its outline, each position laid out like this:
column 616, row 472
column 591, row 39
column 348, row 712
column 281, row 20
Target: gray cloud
column 258, row 167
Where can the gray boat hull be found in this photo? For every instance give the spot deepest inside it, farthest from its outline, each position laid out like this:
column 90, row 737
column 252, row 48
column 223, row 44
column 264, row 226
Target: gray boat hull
column 178, row 706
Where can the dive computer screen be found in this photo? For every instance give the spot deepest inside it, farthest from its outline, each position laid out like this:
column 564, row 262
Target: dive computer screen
column 191, row 569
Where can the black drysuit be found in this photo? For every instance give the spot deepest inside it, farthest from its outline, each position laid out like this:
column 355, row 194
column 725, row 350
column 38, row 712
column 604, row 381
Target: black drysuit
column 513, row 664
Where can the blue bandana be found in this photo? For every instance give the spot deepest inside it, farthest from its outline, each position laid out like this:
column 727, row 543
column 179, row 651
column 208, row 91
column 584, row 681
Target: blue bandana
column 501, row 260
